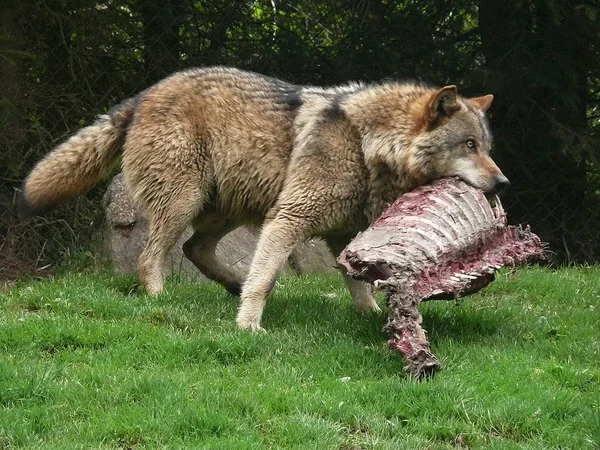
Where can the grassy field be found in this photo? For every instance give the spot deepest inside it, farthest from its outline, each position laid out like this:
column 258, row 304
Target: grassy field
column 88, row 362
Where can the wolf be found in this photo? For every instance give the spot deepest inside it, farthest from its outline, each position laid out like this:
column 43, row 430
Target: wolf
column 220, row 147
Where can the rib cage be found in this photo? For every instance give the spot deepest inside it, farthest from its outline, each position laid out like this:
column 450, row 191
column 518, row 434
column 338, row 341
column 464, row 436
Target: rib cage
column 443, row 240
column 440, row 239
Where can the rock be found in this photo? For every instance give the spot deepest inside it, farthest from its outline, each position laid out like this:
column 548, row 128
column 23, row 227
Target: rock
column 126, row 230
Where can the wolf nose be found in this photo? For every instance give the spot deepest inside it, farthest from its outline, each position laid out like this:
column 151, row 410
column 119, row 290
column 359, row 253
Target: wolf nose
column 501, row 184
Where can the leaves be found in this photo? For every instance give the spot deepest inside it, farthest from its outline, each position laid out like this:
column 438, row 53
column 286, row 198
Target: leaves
column 64, row 61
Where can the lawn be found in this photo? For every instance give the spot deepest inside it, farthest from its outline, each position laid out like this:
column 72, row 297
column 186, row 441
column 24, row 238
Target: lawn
column 87, row 361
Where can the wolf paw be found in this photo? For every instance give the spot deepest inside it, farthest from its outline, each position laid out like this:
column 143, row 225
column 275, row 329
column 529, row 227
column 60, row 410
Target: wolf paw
column 367, row 307
column 250, row 326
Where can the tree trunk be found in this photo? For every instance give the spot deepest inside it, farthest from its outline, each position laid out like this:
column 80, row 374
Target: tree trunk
column 532, row 54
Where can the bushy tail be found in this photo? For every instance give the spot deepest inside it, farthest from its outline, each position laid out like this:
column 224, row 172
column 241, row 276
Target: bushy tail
column 77, row 164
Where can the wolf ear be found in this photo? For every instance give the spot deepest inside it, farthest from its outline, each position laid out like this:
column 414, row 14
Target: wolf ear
column 443, row 102
column 482, row 103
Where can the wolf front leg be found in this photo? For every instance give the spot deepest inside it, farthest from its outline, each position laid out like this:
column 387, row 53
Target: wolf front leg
column 277, row 239
column 362, row 294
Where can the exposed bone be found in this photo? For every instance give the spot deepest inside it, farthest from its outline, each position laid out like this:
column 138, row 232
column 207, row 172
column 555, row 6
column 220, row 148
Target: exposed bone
column 440, row 241
column 464, row 276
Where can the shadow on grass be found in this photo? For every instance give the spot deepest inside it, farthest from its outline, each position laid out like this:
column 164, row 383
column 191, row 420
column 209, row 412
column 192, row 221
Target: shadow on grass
column 127, row 285
column 307, row 306
column 461, row 323
column 443, row 320
column 322, row 315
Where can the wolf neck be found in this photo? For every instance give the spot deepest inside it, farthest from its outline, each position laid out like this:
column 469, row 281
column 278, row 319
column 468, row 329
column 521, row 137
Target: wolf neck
column 388, row 181
column 388, row 119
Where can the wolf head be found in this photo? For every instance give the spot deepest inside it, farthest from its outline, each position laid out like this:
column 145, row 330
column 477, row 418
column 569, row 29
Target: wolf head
column 453, row 139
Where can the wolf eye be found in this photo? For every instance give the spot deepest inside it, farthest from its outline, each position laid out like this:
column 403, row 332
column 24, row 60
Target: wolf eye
column 471, row 144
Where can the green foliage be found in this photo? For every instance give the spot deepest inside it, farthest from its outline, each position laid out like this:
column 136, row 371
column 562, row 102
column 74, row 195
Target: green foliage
column 64, row 61
column 89, row 363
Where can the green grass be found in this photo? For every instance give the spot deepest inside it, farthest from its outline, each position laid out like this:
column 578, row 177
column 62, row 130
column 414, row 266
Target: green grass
column 87, row 361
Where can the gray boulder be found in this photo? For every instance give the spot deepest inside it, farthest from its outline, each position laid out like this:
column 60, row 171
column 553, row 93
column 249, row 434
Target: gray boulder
column 126, row 230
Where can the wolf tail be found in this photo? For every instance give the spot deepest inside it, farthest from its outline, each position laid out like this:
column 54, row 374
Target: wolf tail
column 76, row 164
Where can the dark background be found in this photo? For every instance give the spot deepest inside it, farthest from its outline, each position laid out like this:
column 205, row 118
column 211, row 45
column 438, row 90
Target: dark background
column 64, row 61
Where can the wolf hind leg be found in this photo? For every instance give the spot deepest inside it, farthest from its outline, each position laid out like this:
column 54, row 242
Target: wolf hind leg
column 361, row 292
column 200, row 250
column 277, row 240
column 166, row 224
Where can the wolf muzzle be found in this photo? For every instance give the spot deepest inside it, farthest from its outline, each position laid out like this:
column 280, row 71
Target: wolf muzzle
column 501, row 184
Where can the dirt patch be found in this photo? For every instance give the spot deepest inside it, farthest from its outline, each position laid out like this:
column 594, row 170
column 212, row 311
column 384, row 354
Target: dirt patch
column 13, row 269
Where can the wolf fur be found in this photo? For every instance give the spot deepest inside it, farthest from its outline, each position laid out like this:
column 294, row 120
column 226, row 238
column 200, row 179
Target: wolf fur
column 220, row 147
